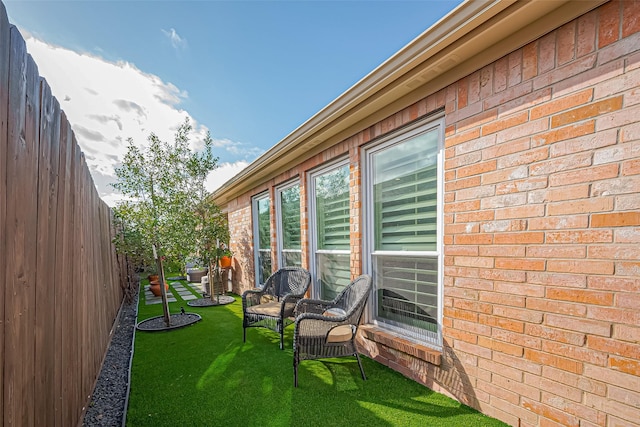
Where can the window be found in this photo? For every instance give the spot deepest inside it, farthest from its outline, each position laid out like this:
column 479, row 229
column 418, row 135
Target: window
column 329, row 213
column 262, row 237
column 403, row 230
column 288, row 214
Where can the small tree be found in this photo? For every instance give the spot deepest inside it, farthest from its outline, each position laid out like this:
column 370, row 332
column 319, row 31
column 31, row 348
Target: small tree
column 211, row 227
column 212, row 230
column 164, row 184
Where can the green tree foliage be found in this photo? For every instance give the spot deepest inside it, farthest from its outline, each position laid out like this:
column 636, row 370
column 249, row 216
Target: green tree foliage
column 130, row 240
column 167, row 203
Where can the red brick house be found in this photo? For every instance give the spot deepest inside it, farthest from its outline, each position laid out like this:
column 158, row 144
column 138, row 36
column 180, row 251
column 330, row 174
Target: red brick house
column 488, row 177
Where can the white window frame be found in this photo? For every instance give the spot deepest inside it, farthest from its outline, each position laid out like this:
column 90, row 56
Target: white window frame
column 313, row 229
column 420, row 127
column 279, row 226
column 256, row 236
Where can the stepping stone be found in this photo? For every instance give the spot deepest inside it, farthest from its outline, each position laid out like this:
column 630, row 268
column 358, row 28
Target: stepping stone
column 152, row 299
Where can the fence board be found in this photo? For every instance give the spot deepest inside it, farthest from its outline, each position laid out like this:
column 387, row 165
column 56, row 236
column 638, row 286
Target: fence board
column 65, row 254
column 46, row 252
column 4, row 116
column 20, row 246
column 82, row 294
column 74, row 349
column 28, row 317
column 61, row 287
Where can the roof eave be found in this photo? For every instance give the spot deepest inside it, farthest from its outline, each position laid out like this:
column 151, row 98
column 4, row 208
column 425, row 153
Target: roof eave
column 471, row 36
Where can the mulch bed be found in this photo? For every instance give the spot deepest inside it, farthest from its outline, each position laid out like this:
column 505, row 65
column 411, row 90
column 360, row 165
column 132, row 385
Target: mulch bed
column 206, row 302
column 176, row 321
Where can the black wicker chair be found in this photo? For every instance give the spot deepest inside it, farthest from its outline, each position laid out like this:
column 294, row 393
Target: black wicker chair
column 325, row 329
column 272, row 306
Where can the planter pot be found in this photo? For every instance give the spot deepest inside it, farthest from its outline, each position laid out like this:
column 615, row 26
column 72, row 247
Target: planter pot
column 225, row 262
column 153, row 278
column 154, row 287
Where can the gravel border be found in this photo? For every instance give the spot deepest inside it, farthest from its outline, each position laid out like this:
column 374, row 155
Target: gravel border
column 156, row 324
column 110, row 397
column 206, row 302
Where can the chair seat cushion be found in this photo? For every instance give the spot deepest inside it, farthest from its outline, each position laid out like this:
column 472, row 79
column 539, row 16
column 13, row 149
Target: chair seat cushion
column 267, row 298
column 334, row 312
column 340, row 333
column 266, row 309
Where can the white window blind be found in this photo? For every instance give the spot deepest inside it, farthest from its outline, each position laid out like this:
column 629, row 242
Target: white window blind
column 289, row 226
column 332, row 230
column 404, row 174
column 262, row 238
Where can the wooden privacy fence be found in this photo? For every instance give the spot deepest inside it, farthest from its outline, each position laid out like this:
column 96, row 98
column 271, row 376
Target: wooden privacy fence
column 60, row 291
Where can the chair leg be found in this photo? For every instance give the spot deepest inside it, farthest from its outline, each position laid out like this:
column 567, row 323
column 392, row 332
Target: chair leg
column 295, row 370
column 244, row 334
column 364, row 377
column 280, row 328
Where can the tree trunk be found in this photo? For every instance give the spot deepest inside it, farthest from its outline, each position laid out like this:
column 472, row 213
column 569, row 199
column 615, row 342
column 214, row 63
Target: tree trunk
column 211, row 282
column 163, row 290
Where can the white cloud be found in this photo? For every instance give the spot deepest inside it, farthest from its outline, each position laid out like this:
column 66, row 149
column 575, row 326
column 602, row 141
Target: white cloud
column 108, row 102
column 176, row 41
column 223, row 173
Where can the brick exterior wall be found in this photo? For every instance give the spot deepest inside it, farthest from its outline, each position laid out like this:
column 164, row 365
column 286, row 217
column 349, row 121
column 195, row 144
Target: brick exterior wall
column 241, row 244
column 542, row 230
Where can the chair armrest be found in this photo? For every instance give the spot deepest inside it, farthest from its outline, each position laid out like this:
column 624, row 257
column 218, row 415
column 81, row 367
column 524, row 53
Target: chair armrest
column 308, row 305
column 316, row 325
column 288, row 304
column 291, row 297
column 252, row 297
column 337, row 320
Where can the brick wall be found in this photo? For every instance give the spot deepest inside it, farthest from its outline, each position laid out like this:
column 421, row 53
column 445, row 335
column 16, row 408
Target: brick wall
column 241, row 244
column 542, row 230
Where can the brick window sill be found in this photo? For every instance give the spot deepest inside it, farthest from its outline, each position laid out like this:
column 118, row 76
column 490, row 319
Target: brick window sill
column 400, row 343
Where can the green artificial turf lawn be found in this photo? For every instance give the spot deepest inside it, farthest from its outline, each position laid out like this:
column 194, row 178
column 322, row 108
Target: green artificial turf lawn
column 204, row 375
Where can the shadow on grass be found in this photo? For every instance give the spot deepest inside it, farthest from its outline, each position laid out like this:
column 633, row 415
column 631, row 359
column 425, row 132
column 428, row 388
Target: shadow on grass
column 204, row 375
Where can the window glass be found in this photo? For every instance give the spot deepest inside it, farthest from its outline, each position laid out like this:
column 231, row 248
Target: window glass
column 405, row 255
column 407, row 291
column 406, row 195
column 332, row 231
column 289, row 226
column 262, row 224
column 332, row 209
column 333, row 272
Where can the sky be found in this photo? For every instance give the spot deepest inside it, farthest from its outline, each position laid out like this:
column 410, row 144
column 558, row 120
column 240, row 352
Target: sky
column 248, row 72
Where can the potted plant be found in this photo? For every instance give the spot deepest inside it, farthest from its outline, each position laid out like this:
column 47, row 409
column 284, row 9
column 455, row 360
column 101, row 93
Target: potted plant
column 211, row 230
column 224, row 256
column 155, row 289
column 154, row 281
column 153, row 274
